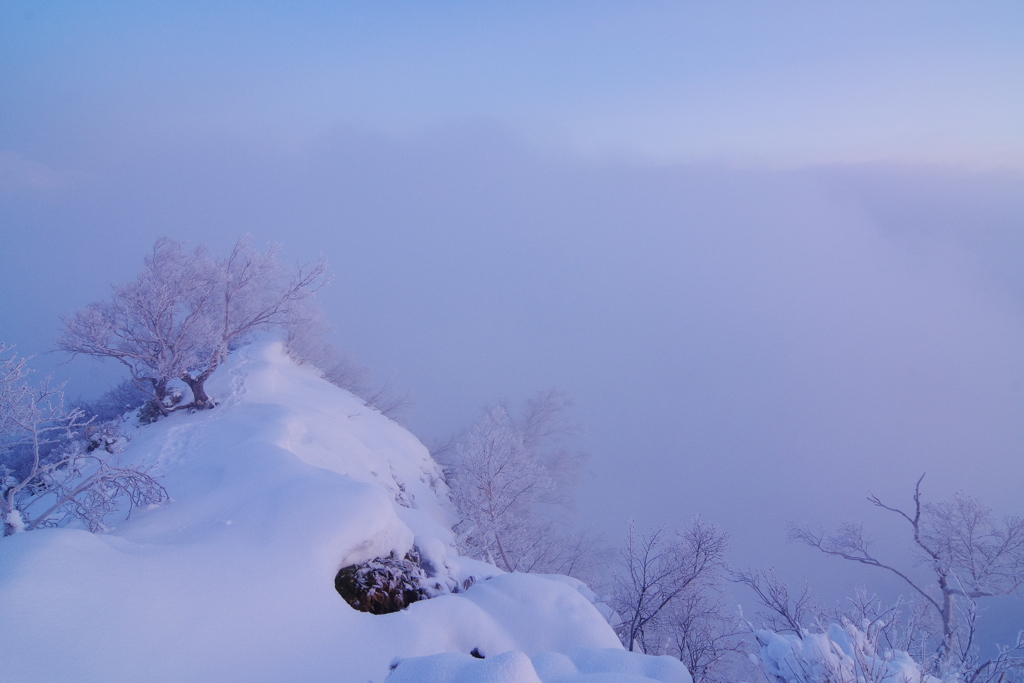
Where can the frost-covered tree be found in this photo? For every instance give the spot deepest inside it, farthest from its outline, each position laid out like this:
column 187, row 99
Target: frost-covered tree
column 968, row 553
column 509, row 488
column 185, row 310
column 49, row 472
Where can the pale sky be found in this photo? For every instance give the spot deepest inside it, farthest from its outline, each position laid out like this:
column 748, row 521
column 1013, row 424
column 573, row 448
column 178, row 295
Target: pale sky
column 772, row 249
column 748, row 82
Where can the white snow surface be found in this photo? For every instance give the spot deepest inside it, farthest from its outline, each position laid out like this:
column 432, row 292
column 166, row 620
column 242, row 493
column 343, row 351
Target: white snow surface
column 585, row 665
column 289, row 479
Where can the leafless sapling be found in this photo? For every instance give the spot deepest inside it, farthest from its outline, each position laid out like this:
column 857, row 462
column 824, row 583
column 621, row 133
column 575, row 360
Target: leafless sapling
column 780, row 612
column 659, row 570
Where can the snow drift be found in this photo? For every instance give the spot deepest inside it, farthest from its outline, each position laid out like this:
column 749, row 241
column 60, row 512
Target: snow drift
column 287, row 481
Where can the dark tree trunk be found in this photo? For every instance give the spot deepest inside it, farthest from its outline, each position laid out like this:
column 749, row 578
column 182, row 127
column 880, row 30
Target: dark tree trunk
column 159, row 389
column 200, row 399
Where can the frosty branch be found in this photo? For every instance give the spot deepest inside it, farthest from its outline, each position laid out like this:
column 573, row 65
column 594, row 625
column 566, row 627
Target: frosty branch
column 43, row 464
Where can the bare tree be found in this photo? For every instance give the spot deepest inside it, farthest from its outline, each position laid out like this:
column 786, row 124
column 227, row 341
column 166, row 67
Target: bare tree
column 970, row 555
column 70, row 480
column 183, row 313
column 702, row 635
column 780, row 612
column 659, row 572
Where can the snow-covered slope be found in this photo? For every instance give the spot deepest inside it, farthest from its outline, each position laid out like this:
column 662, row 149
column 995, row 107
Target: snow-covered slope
column 287, row 481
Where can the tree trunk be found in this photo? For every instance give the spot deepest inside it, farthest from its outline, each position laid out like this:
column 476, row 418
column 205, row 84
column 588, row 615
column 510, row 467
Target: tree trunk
column 501, row 551
column 159, row 394
column 200, row 399
column 946, row 614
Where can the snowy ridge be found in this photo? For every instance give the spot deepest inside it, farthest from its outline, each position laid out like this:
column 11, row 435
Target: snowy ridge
column 287, row 481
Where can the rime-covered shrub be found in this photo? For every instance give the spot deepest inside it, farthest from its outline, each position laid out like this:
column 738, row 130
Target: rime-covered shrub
column 114, row 403
column 841, row 654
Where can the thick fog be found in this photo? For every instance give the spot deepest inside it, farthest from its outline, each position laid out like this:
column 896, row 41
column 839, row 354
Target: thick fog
column 758, row 325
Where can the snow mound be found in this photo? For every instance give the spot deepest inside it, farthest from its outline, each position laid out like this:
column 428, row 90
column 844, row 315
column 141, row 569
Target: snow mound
column 577, row 666
column 286, row 482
